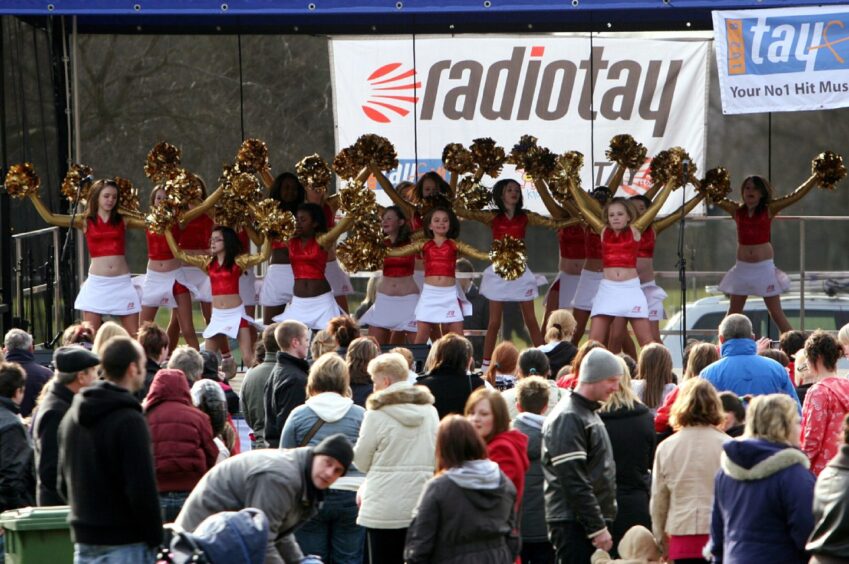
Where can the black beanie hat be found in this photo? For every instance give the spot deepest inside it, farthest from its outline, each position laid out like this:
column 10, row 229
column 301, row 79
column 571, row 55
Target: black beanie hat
column 336, row 446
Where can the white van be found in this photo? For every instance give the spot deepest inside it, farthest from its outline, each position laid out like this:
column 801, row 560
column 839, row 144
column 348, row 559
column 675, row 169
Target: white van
column 703, row 318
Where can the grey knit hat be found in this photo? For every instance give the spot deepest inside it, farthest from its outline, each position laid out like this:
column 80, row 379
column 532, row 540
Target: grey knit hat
column 598, row 365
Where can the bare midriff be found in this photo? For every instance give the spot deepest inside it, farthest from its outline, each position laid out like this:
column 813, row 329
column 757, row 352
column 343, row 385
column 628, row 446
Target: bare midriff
column 441, row 281
column 226, row 301
column 310, row 287
column 279, row 256
column 571, row 266
column 111, row 265
column 754, row 253
column 618, row 274
column 168, row 265
column 400, row 286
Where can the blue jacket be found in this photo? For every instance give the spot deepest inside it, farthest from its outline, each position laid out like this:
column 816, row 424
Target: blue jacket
column 762, row 508
column 742, row 371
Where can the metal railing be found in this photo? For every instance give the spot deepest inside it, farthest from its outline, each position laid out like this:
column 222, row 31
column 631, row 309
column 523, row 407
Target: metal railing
column 25, row 274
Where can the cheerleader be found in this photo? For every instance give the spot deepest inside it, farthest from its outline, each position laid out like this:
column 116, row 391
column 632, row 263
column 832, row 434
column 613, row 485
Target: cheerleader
column 394, row 309
column 247, row 282
column 279, row 280
column 225, row 267
column 108, row 290
column 313, row 303
column 754, row 273
column 512, row 220
column 339, row 282
column 441, row 301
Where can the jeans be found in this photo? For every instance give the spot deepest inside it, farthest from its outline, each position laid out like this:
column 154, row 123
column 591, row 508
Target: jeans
column 571, row 545
column 171, row 503
column 334, row 534
column 139, row 553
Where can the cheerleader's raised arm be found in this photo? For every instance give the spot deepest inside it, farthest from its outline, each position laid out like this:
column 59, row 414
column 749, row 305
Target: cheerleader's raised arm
column 406, row 207
column 203, row 208
column 59, row 220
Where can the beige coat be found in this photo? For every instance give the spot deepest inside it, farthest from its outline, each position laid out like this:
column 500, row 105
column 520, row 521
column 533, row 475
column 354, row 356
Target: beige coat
column 396, row 451
column 685, row 465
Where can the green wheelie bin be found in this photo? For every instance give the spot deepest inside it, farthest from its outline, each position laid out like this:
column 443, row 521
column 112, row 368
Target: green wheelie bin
column 37, row 535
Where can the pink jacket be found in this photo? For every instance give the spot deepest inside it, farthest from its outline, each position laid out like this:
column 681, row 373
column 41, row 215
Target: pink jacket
column 826, row 404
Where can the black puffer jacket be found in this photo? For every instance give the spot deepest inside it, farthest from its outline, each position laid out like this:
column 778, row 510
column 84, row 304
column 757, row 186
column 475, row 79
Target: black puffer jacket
column 285, row 390
column 577, row 459
column 17, row 471
column 829, row 541
column 451, row 389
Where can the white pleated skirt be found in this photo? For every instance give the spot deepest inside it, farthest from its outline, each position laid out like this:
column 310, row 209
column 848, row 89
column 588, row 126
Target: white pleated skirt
column 442, row 304
column 654, row 300
column 755, row 279
column 277, row 286
column 315, row 312
column 158, row 288
column 227, row 322
column 200, row 281
column 249, row 287
column 108, row 295
column 495, row 288
column 396, row 313
column 340, row 282
column 586, row 289
column 568, row 287
column 620, row 299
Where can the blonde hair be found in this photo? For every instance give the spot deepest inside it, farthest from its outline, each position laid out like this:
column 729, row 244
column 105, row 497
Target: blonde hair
column 802, row 375
column 624, row 397
column 561, row 326
column 771, row 418
column 407, row 354
column 107, row 331
column 697, row 404
column 701, row 355
column 328, row 374
column 322, row 343
column 391, row 365
column 843, row 335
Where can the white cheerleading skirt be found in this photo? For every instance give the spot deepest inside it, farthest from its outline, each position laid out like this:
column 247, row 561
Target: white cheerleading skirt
column 315, row 312
column 586, row 289
column 568, row 287
column 108, row 295
column 340, row 283
column 654, row 299
column 620, row 299
column 755, row 279
column 418, row 278
column 396, row 313
column 438, row 304
column 199, row 280
column 495, row 288
column 227, row 322
column 277, row 286
column 158, row 288
column 249, row 287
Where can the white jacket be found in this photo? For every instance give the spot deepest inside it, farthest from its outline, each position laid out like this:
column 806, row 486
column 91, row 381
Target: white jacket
column 396, row 451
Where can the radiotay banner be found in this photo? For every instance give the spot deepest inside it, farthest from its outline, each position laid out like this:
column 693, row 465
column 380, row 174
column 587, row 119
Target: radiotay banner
column 571, row 92
column 782, row 60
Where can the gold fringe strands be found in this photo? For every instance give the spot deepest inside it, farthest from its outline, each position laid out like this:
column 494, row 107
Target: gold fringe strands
column 72, row 183
column 161, row 218
column 488, row 157
column 374, row 149
column 363, row 249
column 252, row 156
column 314, row 172
column 344, row 164
column 163, row 161
column 625, row 150
column 21, row 180
column 537, row 162
column 472, row 195
column 509, row 257
column 829, row 169
column 273, row 221
column 357, row 200
column 457, row 159
column 128, row 195
column 669, row 165
column 716, row 184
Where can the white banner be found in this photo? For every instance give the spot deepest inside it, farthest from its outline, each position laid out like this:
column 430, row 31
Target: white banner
column 462, row 88
column 783, row 60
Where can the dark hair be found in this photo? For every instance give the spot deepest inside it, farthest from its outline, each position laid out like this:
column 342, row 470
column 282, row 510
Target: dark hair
column 532, row 394
column 464, row 265
column 498, row 195
column 776, row 355
column 630, row 363
column 732, row 404
column 642, row 198
column 763, row 187
column 442, row 187
column 268, row 339
column 360, row 352
column 12, row 378
column 79, row 334
column 685, row 355
column 846, row 429
column 232, row 245
column 404, row 231
column 117, row 356
column 457, row 442
column 276, row 192
column 823, row 347
column 317, row 215
column 498, row 405
column 452, row 353
column 453, row 222
column 534, row 362
column 94, row 196
column 259, row 353
column 602, row 194
column 153, row 339
column 792, row 341
column 344, row 329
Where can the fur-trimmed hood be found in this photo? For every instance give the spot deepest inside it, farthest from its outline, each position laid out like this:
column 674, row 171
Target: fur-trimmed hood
column 402, row 401
column 756, row 459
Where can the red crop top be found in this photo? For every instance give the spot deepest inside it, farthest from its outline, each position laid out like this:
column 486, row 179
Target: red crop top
column 647, row 241
column 440, row 260
column 195, row 236
column 398, row 267
column 329, row 216
column 157, row 245
column 619, row 250
column 503, row 226
column 224, row 281
column 244, row 240
column 105, row 239
column 308, row 259
column 572, row 242
column 754, row 230
column 592, row 244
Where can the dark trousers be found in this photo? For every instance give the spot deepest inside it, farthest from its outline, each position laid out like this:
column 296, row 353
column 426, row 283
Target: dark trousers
column 537, row 553
column 571, row 545
column 386, row 546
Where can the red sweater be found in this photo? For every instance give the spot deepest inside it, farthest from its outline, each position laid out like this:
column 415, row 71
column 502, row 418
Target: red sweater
column 661, row 419
column 510, row 451
column 183, row 449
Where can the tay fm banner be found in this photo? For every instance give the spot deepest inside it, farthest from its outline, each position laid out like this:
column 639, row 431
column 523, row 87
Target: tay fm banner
column 783, row 60
column 426, row 93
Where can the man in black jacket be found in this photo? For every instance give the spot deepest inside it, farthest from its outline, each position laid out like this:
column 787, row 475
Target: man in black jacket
column 17, row 476
column 19, row 348
column 286, row 388
column 106, row 464
column 76, row 368
column 577, row 459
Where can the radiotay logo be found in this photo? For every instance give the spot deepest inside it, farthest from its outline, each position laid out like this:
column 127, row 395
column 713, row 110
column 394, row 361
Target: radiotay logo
column 787, row 44
column 389, row 90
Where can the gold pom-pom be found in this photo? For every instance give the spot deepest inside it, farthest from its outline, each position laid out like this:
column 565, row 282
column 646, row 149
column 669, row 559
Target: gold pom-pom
column 161, row 218
column 509, row 257
column 488, row 156
column 361, row 250
column 541, row 163
column 829, row 169
column 313, row 172
column 72, row 183
column 252, row 155
column 245, row 186
column 472, row 195
column 21, row 180
column 520, row 150
column 668, row 166
column 356, row 199
column 230, row 210
column 716, row 184
column 163, row 161
column 625, row 150
column 273, row 221
column 182, row 189
column 457, row 159
column 345, row 165
column 371, row 148
column 128, row 195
